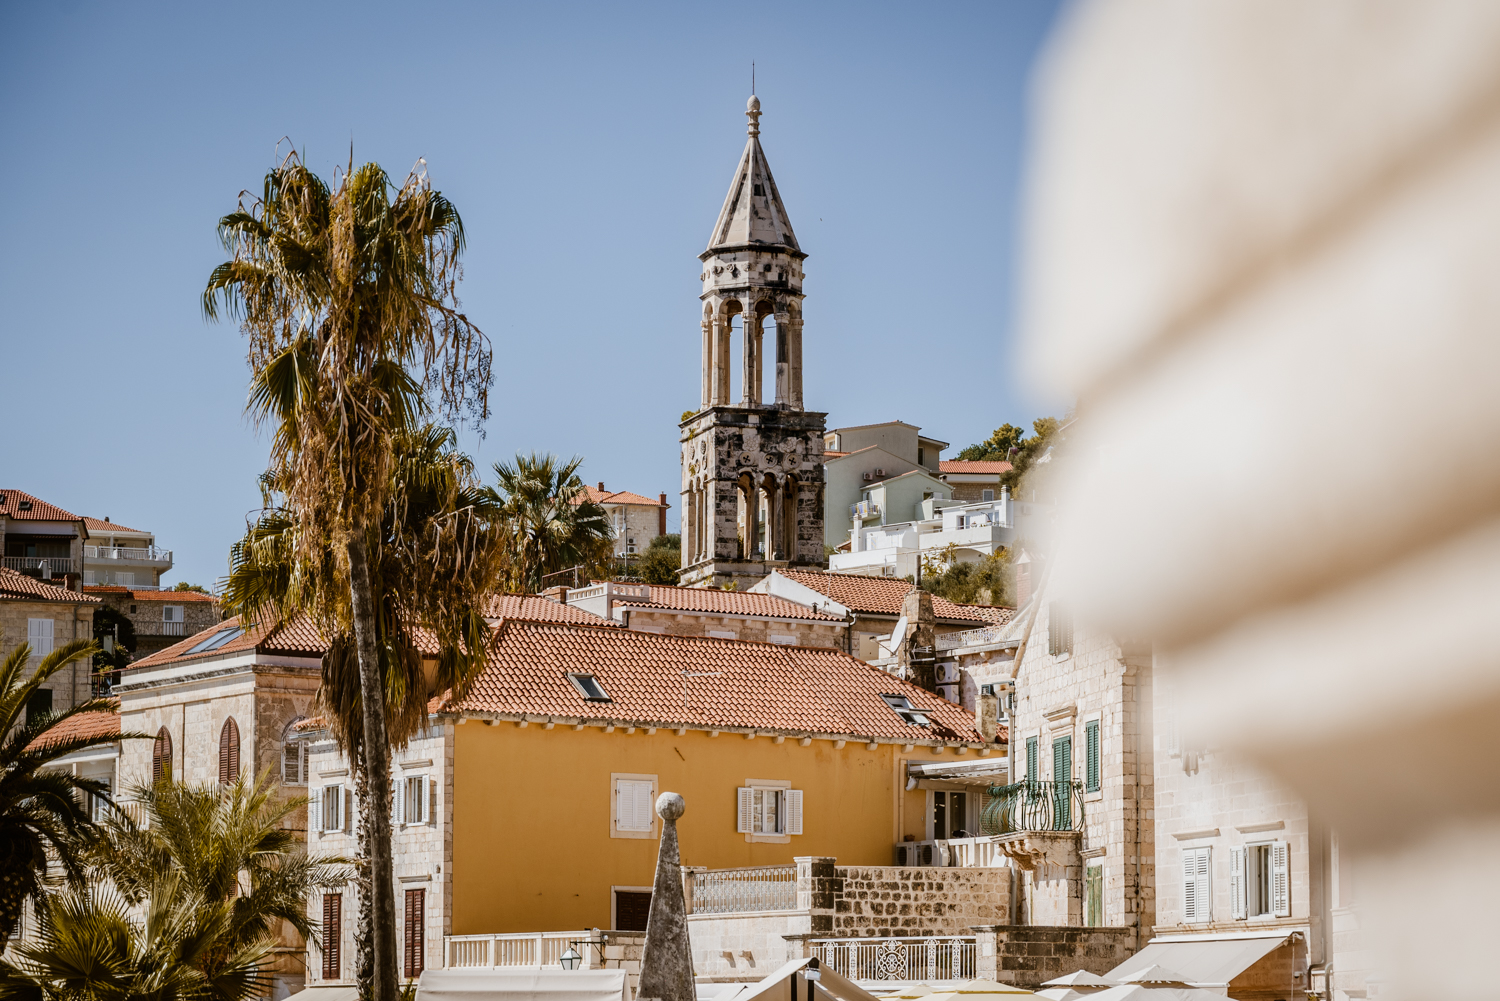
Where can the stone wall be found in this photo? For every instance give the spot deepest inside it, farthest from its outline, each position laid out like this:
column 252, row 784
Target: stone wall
column 809, row 633
column 618, row 950
column 915, row 902
column 1028, row 955
column 69, row 622
column 145, row 613
column 642, row 524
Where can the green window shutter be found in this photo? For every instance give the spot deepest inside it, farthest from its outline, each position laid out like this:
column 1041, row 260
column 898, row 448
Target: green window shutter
column 1091, row 738
column 1062, row 789
column 1031, row 759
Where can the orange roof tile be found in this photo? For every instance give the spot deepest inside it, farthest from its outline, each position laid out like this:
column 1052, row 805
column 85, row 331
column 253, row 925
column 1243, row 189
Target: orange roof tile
column 40, row 509
column 19, row 587
column 298, row 637
column 104, row 525
column 601, row 496
column 973, row 466
column 103, row 723
column 699, row 599
column 755, row 685
column 875, row 595
column 537, row 609
column 147, row 595
column 995, row 615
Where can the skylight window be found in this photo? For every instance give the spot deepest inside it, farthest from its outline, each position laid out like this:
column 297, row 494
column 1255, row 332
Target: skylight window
column 909, row 713
column 217, row 640
column 588, row 686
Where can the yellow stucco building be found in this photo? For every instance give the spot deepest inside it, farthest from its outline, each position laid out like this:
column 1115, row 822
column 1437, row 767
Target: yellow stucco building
column 527, row 805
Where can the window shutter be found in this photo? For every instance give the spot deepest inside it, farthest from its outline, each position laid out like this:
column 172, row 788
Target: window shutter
column 1189, row 884
column 643, row 806
column 1091, row 739
column 794, row 811
column 291, row 762
column 346, row 810
column 229, row 752
column 1237, row 879
column 332, row 934
column 1281, row 879
column 744, row 811
column 415, row 932
column 429, row 799
column 398, row 796
column 1031, row 759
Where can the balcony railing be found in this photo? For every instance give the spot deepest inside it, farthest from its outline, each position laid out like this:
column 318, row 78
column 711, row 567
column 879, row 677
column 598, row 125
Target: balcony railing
column 864, row 509
column 736, row 891
column 148, row 554
column 910, row 959
column 47, row 565
column 966, row 853
column 531, row 950
column 1033, row 806
column 162, row 629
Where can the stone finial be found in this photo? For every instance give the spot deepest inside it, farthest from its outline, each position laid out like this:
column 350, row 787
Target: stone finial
column 667, row 959
column 752, row 112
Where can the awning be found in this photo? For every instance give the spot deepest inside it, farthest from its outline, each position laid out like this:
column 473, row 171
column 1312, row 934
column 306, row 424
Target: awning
column 328, row 994
column 984, row 772
column 831, row 986
column 1204, row 961
column 522, row 985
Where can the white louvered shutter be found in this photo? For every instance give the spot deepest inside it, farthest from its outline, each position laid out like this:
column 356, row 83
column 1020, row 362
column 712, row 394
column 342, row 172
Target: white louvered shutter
column 745, row 812
column 1189, row 884
column 633, row 805
column 429, row 799
column 794, row 811
column 1281, row 880
column 1237, row 882
column 1205, row 885
column 39, row 635
column 346, row 814
column 398, row 795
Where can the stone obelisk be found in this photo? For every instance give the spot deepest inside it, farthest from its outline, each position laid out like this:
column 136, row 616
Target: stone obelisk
column 667, row 960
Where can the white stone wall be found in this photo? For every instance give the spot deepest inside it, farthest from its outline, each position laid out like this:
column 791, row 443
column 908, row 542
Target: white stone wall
column 421, row 852
column 802, row 633
column 642, row 524
column 69, row 622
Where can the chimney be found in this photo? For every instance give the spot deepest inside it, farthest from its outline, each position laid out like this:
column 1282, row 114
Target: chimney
column 987, row 713
column 661, row 516
column 601, row 486
column 918, row 655
column 1023, row 579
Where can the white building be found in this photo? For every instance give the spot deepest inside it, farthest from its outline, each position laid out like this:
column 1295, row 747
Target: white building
column 943, row 531
column 856, row 457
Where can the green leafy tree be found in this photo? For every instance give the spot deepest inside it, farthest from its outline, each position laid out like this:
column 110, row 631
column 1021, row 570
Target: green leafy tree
column 347, row 298
column 662, row 560
column 214, row 870
column 43, row 808
column 442, row 547
column 114, row 624
column 989, row 581
column 183, row 585
column 1010, row 444
column 550, row 523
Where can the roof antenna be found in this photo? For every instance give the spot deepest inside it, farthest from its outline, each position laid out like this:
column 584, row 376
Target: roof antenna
column 752, row 76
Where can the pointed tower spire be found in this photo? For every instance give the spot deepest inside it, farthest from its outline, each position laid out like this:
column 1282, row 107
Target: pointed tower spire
column 753, row 214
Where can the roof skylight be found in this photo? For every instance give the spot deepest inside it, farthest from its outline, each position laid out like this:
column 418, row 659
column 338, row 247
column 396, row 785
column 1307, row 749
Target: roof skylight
column 588, row 686
column 909, row 713
column 217, row 640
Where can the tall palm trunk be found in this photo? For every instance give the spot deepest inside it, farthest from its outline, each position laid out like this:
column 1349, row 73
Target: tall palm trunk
column 364, row 921
column 377, row 767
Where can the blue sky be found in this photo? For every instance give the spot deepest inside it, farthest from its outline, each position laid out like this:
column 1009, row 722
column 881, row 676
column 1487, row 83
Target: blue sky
column 588, row 147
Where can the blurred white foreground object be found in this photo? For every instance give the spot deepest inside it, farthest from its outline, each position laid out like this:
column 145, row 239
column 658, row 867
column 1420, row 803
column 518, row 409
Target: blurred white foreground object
column 1263, row 252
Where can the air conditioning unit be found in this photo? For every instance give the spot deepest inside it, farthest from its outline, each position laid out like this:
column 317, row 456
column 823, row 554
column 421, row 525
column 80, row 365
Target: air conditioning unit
column 869, row 477
column 880, row 472
column 949, row 673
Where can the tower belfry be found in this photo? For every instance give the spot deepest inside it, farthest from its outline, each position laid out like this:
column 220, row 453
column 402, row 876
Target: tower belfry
column 752, row 469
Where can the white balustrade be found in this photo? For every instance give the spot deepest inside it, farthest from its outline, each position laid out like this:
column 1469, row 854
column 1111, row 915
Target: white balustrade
column 527, row 950
column 929, row 960
column 736, row 891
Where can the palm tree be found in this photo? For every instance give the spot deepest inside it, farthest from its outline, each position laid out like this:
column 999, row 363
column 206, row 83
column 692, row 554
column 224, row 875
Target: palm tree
column 42, row 808
column 214, row 870
column 347, row 297
column 551, row 524
column 441, row 549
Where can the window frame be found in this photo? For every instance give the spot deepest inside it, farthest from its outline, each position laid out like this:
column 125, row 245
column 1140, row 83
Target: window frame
column 789, row 811
column 290, row 737
column 1059, row 629
column 43, row 640
column 422, row 784
column 581, row 680
column 615, row 830
column 1093, row 903
column 339, row 804
column 1202, row 881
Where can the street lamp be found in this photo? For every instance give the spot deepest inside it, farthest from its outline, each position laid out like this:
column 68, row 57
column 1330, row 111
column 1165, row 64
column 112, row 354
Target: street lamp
column 570, row 959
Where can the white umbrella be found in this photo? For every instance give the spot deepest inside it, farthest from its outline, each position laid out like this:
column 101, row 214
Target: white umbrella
column 1155, row 983
column 1079, row 984
column 976, row 990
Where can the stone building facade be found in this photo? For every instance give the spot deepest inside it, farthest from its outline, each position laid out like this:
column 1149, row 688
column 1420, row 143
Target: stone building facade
column 752, row 470
column 47, row 616
column 634, row 519
column 161, row 618
column 730, row 615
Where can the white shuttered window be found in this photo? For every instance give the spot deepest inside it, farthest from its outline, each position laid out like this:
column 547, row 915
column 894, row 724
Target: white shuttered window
column 1281, row 880
column 333, row 808
column 39, row 635
column 416, row 800
column 633, row 805
column 1237, row 882
column 1197, row 887
column 768, row 811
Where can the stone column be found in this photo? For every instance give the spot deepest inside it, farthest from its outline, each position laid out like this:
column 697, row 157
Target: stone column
column 794, row 361
column 747, row 370
column 721, row 332
column 783, row 361
column 667, row 960
column 709, row 361
column 818, row 890
column 776, row 537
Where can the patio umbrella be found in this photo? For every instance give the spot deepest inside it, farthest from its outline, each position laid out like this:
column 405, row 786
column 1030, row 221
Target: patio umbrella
column 1080, row 984
column 976, row 990
column 1155, row 983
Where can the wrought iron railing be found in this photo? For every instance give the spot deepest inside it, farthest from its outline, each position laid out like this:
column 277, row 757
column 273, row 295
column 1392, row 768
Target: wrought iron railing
column 1034, row 805
column 735, row 891
column 910, row 959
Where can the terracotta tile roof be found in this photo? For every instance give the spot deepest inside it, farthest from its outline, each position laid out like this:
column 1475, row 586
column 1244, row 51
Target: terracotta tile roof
column 18, row 586
column 537, row 609
column 699, row 599
column 875, row 595
column 995, row 615
column 40, row 509
column 298, row 637
column 170, row 596
column 104, row 723
column 758, row 685
column 103, row 525
column 601, row 496
column 828, row 453
column 972, row 466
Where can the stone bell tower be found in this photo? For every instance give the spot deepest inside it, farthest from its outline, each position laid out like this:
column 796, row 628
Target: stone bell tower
column 752, row 470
